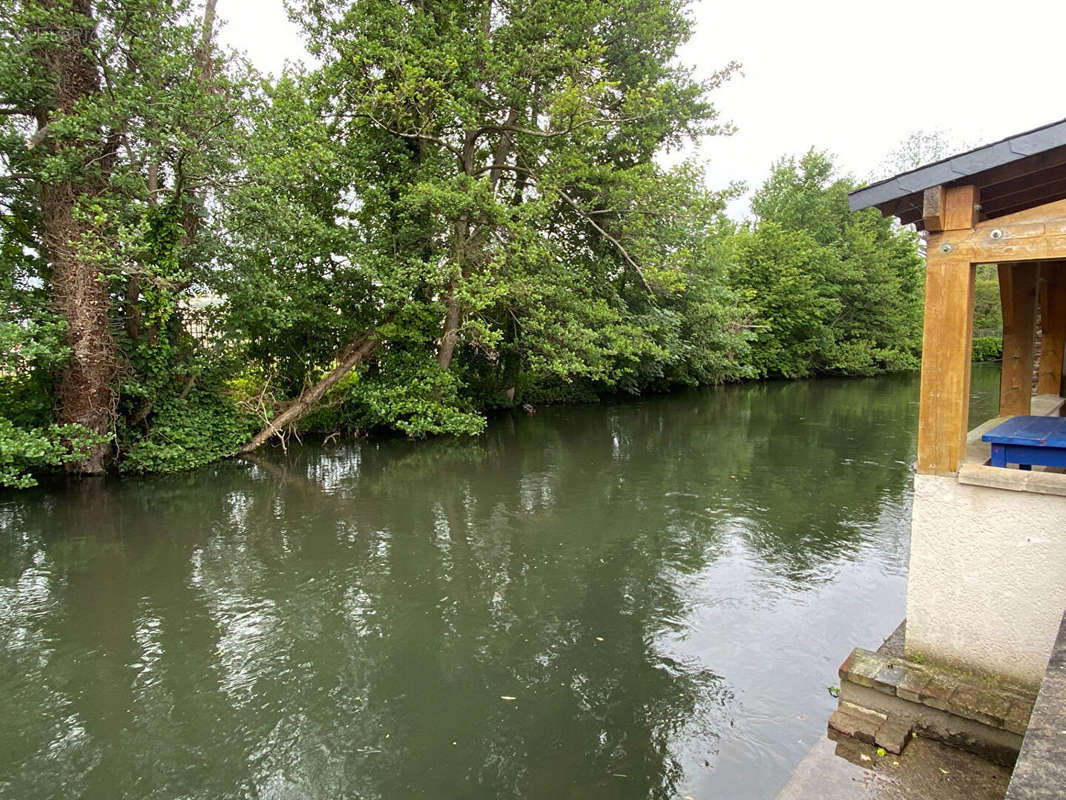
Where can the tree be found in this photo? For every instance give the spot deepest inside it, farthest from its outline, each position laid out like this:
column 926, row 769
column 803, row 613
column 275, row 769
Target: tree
column 918, row 149
column 833, row 291
column 50, row 77
column 115, row 123
column 499, row 200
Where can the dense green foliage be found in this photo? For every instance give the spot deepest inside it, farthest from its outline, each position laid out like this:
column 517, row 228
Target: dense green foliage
column 143, row 147
column 31, row 349
column 474, row 190
column 483, row 189
column 987, row 311
column 834, row 292
column 987, row 315
column 987, row 348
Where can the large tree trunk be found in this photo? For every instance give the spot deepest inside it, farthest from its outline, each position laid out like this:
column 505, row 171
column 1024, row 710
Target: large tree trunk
column 191, row 217
column 207, row 33
column 450, row 337
column 463, row 246
column 354, row 353
column 453, row 313
column 85, row 391
column 79, row 292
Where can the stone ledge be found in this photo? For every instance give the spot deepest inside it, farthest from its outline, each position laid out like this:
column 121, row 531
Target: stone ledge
column 999, row 707
column 1037, row 481
column 1041, row 768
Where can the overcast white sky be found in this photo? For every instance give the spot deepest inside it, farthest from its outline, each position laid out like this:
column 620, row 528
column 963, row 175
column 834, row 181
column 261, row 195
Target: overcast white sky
column 854, row 77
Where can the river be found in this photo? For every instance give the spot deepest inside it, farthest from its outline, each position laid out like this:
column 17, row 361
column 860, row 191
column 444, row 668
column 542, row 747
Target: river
column 646, row 599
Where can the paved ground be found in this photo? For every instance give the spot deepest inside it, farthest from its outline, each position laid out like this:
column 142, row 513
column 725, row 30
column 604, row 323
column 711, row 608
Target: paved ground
column 927, row 770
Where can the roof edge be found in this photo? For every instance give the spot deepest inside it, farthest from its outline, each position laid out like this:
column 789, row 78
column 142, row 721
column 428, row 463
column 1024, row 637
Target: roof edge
column 971, row 162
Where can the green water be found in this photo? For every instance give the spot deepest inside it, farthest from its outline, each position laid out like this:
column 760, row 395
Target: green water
column 639, row 600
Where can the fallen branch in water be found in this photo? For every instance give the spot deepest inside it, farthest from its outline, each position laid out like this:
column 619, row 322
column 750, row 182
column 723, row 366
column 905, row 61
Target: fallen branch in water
column 353, row 354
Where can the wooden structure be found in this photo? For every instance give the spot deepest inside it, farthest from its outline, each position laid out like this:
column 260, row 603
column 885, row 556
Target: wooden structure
column 1002, row 204
column 985, row 588
column 985, row 592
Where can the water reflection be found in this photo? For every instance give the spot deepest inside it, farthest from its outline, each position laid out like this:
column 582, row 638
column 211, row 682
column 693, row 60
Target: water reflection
column 642, row 600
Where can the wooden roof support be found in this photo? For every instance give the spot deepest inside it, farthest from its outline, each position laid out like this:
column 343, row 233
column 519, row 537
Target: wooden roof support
column 943, row 416
column 948, row 335
column 1036, row 234
column 1032, row 165
column 1016, row 242
column 933, row 209
column 961, row 205
column 1053, row 323
column 945, row 209
column 1033, row 196
column 999, row 194
column 1017, row 294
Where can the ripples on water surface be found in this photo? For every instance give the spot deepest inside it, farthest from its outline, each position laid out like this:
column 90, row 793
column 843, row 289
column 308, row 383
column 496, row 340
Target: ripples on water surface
column 641, row 600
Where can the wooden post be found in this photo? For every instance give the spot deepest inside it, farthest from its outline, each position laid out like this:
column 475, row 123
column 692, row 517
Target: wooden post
column 1053, row 324
column 944, row 412
column 946, row 209
column 946, row 352
column 1017, row 295
column 960, row 209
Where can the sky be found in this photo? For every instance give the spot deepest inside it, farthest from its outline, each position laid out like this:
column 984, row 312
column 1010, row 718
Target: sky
column 852, row 77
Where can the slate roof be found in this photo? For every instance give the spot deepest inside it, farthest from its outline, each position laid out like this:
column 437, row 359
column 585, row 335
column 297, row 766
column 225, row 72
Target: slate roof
column 1019, row 172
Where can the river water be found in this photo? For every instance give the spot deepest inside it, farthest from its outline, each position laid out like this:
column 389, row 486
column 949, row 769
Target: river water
column 638, row 600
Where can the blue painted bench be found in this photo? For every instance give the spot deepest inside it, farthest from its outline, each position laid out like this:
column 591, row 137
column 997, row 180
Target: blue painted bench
column 1028, row 440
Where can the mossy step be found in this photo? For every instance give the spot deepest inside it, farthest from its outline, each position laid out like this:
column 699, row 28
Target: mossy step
column 997, row 706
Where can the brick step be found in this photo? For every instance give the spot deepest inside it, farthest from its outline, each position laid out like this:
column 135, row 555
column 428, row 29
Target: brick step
column 884, row 698
column 969, row 697
column 872, row 727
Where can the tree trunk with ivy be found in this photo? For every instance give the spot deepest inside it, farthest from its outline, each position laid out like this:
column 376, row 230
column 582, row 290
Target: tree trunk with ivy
column 85, row 392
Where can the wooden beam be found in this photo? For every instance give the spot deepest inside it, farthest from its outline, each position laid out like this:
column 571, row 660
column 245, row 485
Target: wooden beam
column 911, row 217
column 990, row 181
column 1035, row 196
column 897, row 206
column 1022, row 184
column 1036, row 234
column 1053, row 325
column 902, row 207
column 943, row 414
column 1030, row 165
column 960, row 207
column 933, row 209
column 1048, row 213
column 1017, row 295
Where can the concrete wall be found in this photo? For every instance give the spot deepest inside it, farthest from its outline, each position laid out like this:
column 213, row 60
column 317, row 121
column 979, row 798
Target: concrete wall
column 987, row 584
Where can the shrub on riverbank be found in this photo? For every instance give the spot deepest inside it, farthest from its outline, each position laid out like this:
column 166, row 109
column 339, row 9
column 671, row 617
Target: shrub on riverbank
column 987, row 348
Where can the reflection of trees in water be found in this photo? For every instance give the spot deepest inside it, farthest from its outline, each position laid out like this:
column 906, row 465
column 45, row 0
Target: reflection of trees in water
column 276, row 640
column 484, row 594
column 331, row 621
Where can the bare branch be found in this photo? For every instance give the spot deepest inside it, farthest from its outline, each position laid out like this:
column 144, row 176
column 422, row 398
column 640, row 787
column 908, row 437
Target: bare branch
column 586, row 215
column 39, row 136
column 621, row 249
column 411, row 134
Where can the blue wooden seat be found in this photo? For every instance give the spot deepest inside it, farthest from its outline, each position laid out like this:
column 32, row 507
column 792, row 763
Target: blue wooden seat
column 1028, row 440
